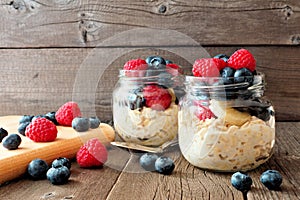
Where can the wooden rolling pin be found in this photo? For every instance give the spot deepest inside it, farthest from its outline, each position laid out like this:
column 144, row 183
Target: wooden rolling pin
column 13, row 163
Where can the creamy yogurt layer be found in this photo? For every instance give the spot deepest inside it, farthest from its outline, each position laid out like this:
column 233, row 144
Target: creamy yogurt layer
column 147, row 126
column 213, row 144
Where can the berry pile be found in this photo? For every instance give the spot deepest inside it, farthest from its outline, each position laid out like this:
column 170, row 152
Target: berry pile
column 271, row 179
column 58, row 174
column 42, row 128
column 9, row 141
column 239, row 68
column 159, row 71
column 90, row 155
column 152, row 162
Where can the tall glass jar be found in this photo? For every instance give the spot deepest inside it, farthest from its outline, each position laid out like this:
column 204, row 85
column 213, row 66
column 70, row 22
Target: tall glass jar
column 226, row 127
column 145, row 106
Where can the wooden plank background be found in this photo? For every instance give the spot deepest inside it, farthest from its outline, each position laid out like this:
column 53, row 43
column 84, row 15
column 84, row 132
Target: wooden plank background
column 44, row 43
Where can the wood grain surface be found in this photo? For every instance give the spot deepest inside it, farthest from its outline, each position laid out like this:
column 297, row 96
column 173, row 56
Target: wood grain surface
column 123, row 178
column 44, row 23
column 45, row 60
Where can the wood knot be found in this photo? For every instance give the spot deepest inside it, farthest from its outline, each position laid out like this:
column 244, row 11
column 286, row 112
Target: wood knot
column 18, row 5
column 295, row 39
column 23, row 5
column 288, row 11
column 162, row 9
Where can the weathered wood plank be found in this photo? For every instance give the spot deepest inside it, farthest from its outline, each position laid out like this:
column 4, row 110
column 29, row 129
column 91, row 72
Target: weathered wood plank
column 35, row 81
column 28, row 23
column 123, row 178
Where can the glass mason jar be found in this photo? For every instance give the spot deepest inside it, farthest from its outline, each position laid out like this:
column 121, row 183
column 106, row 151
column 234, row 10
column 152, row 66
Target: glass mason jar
column 145, row 105
column 226, row 127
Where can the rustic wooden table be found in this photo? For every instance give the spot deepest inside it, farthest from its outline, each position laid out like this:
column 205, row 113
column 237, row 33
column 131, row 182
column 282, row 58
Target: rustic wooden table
column 123, row 178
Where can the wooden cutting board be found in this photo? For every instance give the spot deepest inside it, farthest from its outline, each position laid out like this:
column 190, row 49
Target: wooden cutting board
column 13, row 163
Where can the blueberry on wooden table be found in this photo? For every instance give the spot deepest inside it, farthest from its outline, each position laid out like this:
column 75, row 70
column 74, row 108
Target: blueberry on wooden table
column 51, row 117
column 81, row 124
column 25, row 118
column 37, row 169
column 12, row 141
column 94, row 122
column 3, row 134
column 22, row 127
column 164, row 165
column 147, row 161
column 272, row 179
column 40, row 116
column 61, row 161
column 241, row 181
column 58, row 175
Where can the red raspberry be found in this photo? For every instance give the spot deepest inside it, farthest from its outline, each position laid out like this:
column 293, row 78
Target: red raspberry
column 67, row 112
column 203, row 113
column 242, row 58
column 156, row 97
column 174, row 66
column 92, row 154
column 208, row 67
column 137, row 64
column 41, row 130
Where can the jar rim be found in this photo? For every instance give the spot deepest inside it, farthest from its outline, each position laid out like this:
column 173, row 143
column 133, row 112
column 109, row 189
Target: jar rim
column 141, row 73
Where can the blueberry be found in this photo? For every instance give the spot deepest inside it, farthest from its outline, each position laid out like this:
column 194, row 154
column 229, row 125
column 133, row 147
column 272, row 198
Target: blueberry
column 25, row 118
column 262, row 110
column 59, row 175
column 61, row 161
column 241, row 181
column 81, row 124
column 22, row 127
column 227, row 75
column 222, row 56
column 136, row 99
column 243, row 75
column 3, row 134
column 157, row 62
column 51, row 117
column 40, row 116
column 37, row 169
column 168, row 62
column 147, row 161
column 148, row 59
column 12, row 141
column 164, row 165
column 272, row 179
column 94, row 122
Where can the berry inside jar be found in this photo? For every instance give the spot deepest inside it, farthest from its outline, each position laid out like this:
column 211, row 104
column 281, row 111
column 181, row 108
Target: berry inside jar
column 225, row 121
column 145, row 101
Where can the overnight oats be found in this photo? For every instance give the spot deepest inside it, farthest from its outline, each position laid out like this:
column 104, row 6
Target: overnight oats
column 225, row 122
column 145, row 103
